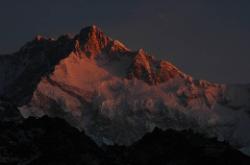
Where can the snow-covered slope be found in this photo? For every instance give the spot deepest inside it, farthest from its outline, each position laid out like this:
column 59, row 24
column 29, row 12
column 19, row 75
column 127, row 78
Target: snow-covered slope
column 117, row 95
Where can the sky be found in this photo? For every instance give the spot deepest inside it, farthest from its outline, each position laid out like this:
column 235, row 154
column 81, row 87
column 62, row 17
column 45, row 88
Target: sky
column 208, row 39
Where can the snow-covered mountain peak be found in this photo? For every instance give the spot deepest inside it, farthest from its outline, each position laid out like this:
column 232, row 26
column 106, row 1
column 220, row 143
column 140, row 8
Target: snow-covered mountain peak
column 92, row 40
column 40, row 38
column 117, row 46
column 117, row 95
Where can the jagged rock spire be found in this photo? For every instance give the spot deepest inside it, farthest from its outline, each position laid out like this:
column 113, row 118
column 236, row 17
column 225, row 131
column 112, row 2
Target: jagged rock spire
column 92, row 40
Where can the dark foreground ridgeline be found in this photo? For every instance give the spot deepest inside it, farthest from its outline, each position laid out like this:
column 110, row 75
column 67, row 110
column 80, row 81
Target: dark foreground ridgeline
column 52, row 141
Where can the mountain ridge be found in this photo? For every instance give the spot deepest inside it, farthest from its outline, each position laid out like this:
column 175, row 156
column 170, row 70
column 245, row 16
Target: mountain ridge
column 48, row 140
column 117, row 95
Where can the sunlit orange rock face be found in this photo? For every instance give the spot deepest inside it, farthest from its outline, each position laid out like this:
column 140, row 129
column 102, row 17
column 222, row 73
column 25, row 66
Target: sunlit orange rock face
column 167, row 71
column 92, row 41
column 141, row 67
column 153, row 71
column 116, row 94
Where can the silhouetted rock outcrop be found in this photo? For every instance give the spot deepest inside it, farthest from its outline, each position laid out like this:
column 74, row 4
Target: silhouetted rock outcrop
column 52, row 141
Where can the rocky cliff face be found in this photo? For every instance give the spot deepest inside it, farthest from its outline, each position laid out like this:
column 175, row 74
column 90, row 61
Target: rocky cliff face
column 117, row 95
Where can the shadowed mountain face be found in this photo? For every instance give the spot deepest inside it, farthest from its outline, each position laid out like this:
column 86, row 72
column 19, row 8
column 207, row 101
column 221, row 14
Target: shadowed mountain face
column 53, row 141
column 23, row 70
column 117, row 95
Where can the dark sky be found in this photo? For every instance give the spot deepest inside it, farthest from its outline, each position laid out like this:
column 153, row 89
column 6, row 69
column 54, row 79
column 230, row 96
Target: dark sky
column 208, row 39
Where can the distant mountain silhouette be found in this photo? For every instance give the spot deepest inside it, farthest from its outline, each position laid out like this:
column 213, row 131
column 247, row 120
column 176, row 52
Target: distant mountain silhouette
column 52, row 141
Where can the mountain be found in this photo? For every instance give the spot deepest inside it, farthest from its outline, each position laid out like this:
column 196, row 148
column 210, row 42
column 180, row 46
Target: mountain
column 52, row 141
column 117, row 95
